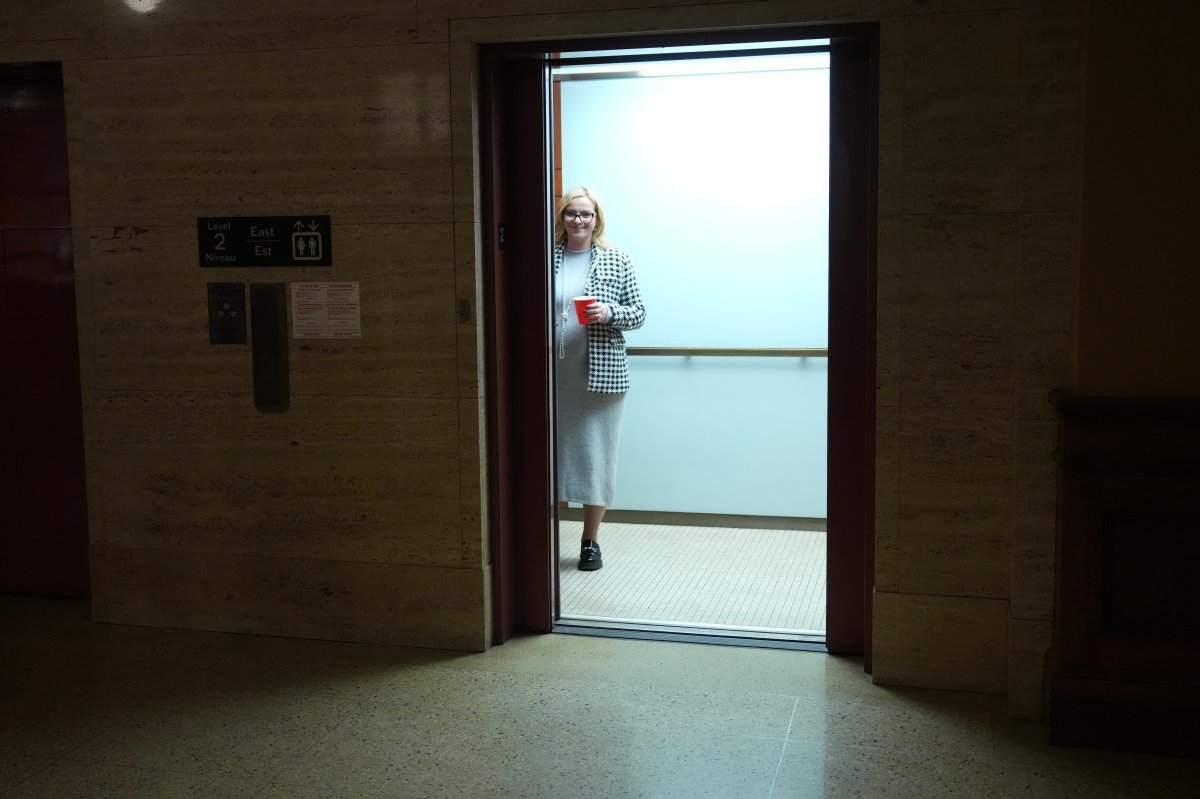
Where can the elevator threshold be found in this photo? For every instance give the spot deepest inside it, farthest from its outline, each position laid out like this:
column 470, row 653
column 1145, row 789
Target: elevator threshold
column 717, row 635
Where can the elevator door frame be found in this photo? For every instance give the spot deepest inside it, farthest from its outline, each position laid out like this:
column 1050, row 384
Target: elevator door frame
column 514, row 87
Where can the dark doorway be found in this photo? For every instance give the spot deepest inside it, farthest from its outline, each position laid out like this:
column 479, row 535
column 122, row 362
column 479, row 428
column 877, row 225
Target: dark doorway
column 44, row 546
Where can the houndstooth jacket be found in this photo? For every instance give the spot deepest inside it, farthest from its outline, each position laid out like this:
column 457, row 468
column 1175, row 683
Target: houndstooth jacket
column 612, row 281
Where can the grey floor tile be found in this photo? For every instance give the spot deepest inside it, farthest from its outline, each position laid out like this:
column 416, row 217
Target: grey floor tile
column 101, row 781
column 72, row 657
column 296, row 675
column 955, row 725
column 829, row 771
column 662, row 664
column 348, row 650
column 494, row 757
column 248, row 736
column 40, row 714
column 98, row 711
column 539, row 699
column 1083, row 783
column 16, row 766
column 1020, row 741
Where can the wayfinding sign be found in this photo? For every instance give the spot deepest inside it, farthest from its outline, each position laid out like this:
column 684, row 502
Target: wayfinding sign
column 264, row 241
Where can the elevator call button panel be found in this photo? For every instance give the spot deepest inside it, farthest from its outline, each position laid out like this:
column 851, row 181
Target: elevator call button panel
column 226, row 313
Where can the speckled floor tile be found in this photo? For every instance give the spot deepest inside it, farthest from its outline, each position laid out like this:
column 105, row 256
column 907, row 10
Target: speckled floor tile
column 495, row 757
column 16, row 766
column 95, row 780
column 250, row 736
column 664, row 664
column 315, row 676
column 539, row 699
column 1076, row 783
column 98, row 711
column 1018, row 741
column 41, row 714
column 917, row 721
column 91, row 658
column 475, row 733
column 826, row 771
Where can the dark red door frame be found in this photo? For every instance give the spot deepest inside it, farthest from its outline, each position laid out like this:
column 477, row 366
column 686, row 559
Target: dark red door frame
column 518, row 340
column 850, row 567
column 516, row 185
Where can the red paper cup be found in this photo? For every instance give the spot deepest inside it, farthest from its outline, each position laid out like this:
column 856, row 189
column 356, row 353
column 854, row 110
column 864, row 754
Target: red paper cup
column 581, row 304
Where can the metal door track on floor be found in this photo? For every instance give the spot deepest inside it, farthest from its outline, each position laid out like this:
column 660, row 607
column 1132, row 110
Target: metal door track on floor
column 798, row 640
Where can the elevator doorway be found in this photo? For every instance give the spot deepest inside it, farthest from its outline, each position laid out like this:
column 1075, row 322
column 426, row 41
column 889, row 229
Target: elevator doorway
column 518, row 187
column 713, row 167
column 44, row 538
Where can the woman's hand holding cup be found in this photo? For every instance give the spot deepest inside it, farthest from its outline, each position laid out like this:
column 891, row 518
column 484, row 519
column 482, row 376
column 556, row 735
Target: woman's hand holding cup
column 589, row 310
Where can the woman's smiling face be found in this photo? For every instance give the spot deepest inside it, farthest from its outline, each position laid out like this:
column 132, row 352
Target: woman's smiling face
column 579, row 219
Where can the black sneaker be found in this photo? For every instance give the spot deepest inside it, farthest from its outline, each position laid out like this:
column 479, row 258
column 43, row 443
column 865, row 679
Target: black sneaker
column 589, row 557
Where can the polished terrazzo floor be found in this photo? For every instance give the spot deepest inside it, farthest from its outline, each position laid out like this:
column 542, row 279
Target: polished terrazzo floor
column 90, row 710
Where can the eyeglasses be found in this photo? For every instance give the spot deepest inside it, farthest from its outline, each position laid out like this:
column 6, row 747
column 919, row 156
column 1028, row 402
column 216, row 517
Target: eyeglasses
column 571, row 216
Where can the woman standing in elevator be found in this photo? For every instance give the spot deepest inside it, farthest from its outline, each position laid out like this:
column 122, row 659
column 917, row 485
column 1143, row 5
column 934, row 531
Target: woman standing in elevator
column 593, row 370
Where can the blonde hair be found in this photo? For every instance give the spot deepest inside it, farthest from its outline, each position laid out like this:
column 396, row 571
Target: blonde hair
column 569, row 196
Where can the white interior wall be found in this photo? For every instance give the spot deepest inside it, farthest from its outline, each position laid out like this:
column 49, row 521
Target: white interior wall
column 717, row 185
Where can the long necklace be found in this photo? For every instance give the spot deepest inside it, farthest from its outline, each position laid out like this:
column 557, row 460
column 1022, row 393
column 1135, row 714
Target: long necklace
column 562, row 325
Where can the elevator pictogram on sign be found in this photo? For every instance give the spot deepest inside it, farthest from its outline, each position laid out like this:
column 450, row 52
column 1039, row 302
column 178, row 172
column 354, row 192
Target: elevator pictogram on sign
column 306, row 245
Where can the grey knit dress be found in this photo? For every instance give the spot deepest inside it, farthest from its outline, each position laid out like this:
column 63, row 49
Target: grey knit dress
column 589, row 424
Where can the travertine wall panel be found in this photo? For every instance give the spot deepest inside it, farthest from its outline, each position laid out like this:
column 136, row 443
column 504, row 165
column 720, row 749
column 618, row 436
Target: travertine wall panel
column 961, row 100
column 1035, row 499
column 143, row 313
column 991, row 99
column 371, row 480
column 1028, row 643
column 464, row 115
column 470, row 311
column 958, row 287
column 888, row 544
column 370, row 602
column 84, row 323
column 499, row 20
column 1052, row 83
column 889, row 317
column 147, row 309
column 51, row 30
column 359, row 134
column 1044, row 330
column 941, row 642
column 365, row 506
column 890, row 196
column 657, row 17
column 175, row 27
column 425, row 427
column 955, row 514
column 409, row 345
column 473, row 481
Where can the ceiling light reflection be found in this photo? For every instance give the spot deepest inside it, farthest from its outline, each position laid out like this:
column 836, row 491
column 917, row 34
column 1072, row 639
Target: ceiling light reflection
column 143, row 6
